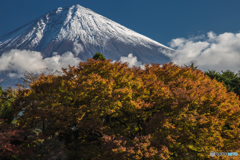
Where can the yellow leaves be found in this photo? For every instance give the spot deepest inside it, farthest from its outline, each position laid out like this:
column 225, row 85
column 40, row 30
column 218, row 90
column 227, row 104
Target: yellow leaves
column 55, row 104
column 111, row 111
column 117, row 104
column 128, row 99
column 28, row 93
column 195, row 148
column 123, row 94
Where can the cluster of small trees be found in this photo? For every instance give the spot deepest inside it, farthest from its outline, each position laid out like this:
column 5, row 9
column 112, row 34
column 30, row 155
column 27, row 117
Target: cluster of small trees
column 102, row 110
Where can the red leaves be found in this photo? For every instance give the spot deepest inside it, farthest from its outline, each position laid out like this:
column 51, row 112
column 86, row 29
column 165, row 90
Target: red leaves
column 12, row 140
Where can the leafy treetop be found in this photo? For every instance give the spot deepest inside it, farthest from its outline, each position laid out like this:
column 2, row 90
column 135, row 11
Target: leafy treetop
column 99, row 56
column 118, row 112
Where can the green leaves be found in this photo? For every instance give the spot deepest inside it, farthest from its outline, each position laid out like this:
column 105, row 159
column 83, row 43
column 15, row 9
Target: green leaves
column 6, row 98
column 230, row 80
column 99, row 56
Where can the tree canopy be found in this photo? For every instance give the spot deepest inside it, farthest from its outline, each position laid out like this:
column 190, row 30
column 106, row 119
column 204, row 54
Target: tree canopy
column 99, row 56
column 230, row 80
column 103, row 110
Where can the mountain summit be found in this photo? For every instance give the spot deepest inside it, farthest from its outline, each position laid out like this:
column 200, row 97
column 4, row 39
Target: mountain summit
column 82, row 32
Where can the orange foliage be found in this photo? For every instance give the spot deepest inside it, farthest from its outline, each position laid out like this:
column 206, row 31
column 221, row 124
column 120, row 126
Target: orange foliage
column 166, row 112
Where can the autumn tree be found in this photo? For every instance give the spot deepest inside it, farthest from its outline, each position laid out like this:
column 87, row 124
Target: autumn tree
column 18, row 141
column 230, row 80
column 14, row 139
column 103, row 110
column 32, row 77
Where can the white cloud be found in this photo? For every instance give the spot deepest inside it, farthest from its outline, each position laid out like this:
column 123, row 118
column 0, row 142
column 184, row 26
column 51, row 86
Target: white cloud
column 132, row 61
column 216, row 52
column 211, row 35
column 20, row 60
column 31, row 61
column 55, row 53
column 77, row 48
column 213, row 52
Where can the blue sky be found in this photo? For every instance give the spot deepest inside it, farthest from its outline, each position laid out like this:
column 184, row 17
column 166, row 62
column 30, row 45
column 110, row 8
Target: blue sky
column 161, row 20
column 203, row 31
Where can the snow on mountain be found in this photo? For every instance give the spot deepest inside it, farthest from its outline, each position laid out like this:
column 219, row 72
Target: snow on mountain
column 83, row 32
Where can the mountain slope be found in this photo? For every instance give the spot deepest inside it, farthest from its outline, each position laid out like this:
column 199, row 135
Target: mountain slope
column 83, row 32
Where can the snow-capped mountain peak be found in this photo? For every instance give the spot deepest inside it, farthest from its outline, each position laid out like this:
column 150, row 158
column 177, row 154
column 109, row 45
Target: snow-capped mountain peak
column 83, row 32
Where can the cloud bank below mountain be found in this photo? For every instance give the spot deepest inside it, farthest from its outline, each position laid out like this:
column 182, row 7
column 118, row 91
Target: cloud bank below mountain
column 32, row 61
column 213, row 52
